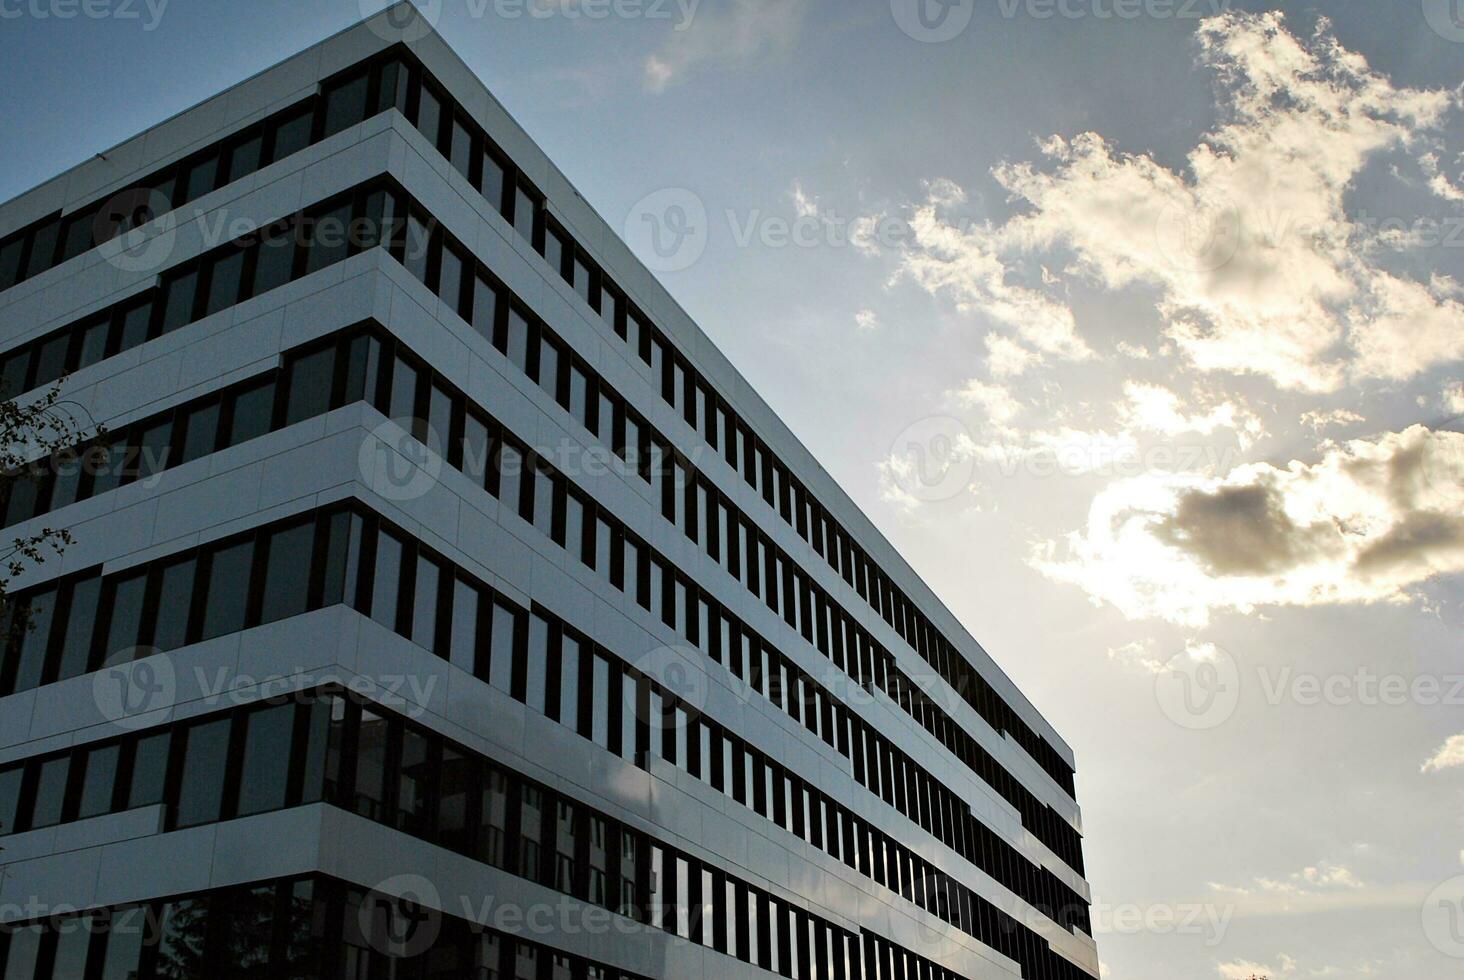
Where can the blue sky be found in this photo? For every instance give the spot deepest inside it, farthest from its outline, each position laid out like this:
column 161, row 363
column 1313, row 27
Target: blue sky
column 1151, row 379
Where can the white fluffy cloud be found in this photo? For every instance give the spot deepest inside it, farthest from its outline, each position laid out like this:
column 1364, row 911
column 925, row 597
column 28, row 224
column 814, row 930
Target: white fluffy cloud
column 1256, row 264
column 1449, row 756
column 1366, row 523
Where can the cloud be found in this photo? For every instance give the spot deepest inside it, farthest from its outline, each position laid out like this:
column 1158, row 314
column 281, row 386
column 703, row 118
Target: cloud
column 1366, row 523
column 1438, row 181
column 1318, row 420
column 1452, row 398
column 866, row 320
column 1152, row 408
column 963, row 262
column 1254, row 260
column 741, row 32
column 1006, row 358
column 1246, row 970
column 1449, row 756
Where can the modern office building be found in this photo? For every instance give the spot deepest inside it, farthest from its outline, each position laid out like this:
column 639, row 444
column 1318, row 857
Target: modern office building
column 443, row 604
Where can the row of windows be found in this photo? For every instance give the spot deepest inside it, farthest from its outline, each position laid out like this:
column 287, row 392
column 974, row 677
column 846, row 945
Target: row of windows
column 346, row 368
column 277, row 254
column 283, row 569
column 387, row 769
column 357, row 755
column 75, row 625
column 312, row 380
column 345, row 100
column 694, row 503
column 299, row 928
column 693, row 395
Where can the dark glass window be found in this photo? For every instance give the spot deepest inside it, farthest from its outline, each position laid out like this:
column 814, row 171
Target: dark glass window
column 569, row 674
column 149, row 771
column 97, row 783
column 199, row 178
column 457, row 779
column 549, row 367
column 404, row 380
column 128, row 596
column 228, row 590
column 342, row 558
column 414, row 776
column 424, row 607
column 276, row 257
column 51, row 360
column 124, row 944
column 135, row 322
column 329, row 237
column 439, row 418
column 224, row 282
column 345, row 104
column 361, row 369
column 293, row 132
column 492, row 182
column 35, row 635
column 386, row 583
column 518, row 340
column 9, row 798
column 175, row 599
column 205, row 770
column 178, row 300
column 429, row 115
column 13, row 372
column 495, row 816
column 524, row 207
column 50, row 792
column 244, row 157
column 287, row 572
column 262, row 780
column 461, row 149
column 154, row 443
column 93, row 343
column 200, row 432
column 450, row 279
column 76, row 646
column 43, row 247
column 309, row 392
column 25, row 950
column 466, row 602
column 485, row 307
column 77, row 235
column 253, row 408
column 418, row 247
column 10, row 262
column 554, row 250
column 371, row 766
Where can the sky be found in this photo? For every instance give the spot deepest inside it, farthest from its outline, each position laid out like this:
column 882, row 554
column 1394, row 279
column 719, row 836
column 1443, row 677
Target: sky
column 1135, row 325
